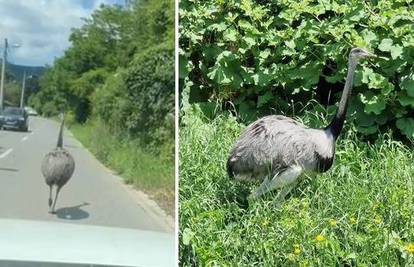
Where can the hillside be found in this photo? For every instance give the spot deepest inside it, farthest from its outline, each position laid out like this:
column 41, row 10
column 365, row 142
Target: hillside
column 18, row 70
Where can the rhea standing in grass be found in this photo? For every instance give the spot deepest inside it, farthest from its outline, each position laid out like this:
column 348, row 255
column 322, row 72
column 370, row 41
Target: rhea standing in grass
column 277, row 150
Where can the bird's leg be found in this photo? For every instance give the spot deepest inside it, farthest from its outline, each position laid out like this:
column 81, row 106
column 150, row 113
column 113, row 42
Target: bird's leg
column 280, row 197
column 286, row 178
column 54, row 202
column 50, row 196
column 260, row 190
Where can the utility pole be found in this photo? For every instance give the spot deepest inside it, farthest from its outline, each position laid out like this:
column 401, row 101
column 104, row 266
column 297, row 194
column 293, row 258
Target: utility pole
column 23, row 87
column 3, row 69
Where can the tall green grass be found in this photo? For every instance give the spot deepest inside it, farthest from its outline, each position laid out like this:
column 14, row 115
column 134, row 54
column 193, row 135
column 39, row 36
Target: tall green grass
column 359, row 213
column 147, row 172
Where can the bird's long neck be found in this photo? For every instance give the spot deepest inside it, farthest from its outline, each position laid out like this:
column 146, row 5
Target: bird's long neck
column 60, row 137
column 335, row 127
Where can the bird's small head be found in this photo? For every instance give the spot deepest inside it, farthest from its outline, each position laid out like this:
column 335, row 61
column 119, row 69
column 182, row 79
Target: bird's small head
column 357, row 53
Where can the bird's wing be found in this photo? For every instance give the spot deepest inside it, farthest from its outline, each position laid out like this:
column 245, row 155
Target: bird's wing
column 272, row 143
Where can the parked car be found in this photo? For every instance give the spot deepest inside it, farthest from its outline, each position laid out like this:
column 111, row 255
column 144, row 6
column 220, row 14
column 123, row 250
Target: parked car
column 30, row 111
column 14, row 118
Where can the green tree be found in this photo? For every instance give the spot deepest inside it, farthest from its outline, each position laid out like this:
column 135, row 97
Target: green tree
column 119, row 68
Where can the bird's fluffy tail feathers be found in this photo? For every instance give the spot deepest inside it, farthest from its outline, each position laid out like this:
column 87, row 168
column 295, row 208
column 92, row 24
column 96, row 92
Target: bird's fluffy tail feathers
column 230, row 166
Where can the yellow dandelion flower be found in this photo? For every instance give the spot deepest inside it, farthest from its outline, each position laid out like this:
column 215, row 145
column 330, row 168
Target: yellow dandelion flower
column 291, row 256
column 377, row 220
column 333, row 222
column 409, row 248
column 352, row 220
column 320, row 238
column 296, row 249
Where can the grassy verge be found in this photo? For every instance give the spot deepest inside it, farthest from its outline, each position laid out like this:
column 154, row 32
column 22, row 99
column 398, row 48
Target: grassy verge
column 145, row 171
column 360, row 213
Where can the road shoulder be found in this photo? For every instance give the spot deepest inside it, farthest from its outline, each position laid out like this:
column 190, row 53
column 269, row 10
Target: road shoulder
column 140, row 198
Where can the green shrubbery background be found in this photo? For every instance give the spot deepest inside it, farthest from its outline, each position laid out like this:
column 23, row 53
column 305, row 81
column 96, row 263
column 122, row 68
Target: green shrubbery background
column 275, row 57
column 250, row 58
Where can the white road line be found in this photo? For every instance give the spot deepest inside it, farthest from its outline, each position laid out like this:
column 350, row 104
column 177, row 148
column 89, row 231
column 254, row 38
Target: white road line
column 24, row 138
column 8, row 151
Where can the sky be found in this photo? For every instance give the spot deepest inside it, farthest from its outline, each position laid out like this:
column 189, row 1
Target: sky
column 41, row 28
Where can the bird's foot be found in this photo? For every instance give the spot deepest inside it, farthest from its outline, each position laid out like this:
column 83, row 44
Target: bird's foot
column 251, row 197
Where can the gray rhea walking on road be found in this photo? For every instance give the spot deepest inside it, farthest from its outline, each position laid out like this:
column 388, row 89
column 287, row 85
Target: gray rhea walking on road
column 277, row 150
column 57, row 168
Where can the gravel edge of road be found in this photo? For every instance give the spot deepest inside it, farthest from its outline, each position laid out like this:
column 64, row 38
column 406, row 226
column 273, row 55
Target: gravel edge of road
column 142, row 199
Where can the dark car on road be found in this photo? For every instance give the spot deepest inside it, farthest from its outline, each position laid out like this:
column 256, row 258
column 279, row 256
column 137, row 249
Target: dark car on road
column 14, row 118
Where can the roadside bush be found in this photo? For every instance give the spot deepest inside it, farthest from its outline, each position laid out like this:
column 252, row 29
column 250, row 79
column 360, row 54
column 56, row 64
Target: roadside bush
column 139, row 101
column 82, row 89
column 278, row 55
column 70, row 118
column 149, row 84
column 109, row 101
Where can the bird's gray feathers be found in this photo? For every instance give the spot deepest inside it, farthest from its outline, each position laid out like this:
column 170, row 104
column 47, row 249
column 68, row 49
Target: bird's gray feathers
column 57, row 167
column 274, row 143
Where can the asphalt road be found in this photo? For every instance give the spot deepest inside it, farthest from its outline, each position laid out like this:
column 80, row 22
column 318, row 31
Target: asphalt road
column 92, row 196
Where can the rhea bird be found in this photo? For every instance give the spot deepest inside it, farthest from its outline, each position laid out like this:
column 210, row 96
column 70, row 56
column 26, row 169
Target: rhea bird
column 57, row 168
column 276, row 149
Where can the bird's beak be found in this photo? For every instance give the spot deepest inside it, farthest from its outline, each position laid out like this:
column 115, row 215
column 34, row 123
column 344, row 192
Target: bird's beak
column 369, row 54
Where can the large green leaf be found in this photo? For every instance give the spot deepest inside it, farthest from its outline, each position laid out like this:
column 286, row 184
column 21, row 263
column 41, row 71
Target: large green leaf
column 220, row 75
column 262, row 78
column 407, row 84
column 368, row 130
column 369, row 36
column 263, row 99
column 221, row 26
column 247, row 111
column 356, row 14
column 230, row 34
column 405, row 100
column 375, row 80
column 406, row 125
column 373, row 103
column 396, row 51
column 385, row 45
